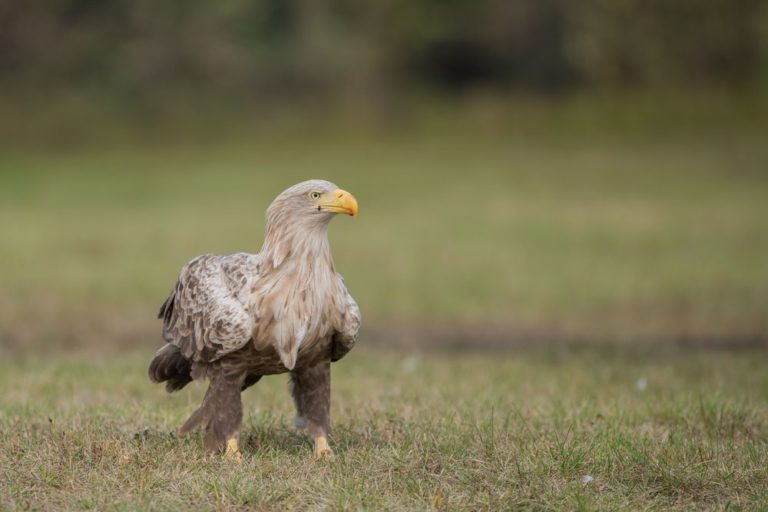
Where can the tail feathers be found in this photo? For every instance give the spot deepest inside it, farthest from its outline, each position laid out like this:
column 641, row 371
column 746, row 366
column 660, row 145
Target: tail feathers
column 171, row 367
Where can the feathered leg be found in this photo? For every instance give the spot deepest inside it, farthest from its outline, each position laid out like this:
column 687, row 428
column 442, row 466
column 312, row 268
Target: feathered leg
column 311, row 390
column 221, row 413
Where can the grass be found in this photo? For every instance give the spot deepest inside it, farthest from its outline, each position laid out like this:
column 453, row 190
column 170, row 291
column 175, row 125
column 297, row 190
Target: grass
column 412, row 430
column 584, row 222
column 606, row 224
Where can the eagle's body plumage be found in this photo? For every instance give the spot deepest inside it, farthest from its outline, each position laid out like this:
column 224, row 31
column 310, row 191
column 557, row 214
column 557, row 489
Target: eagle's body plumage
column 234, row 318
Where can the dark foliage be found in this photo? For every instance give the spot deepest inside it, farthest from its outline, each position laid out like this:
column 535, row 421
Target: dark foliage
column 345, row 47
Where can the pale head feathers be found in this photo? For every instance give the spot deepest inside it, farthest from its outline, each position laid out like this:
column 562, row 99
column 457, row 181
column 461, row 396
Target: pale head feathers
column 297, row 225
column 298, row 204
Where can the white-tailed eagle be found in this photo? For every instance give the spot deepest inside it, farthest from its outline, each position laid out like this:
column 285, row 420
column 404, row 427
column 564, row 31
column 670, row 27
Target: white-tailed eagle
column 235, row 318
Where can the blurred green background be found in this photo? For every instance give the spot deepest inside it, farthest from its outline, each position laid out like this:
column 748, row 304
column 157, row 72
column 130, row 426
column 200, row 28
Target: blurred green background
column 527, row 171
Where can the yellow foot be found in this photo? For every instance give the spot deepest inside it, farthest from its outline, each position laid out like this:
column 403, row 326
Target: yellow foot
column 232, row 452
column 322, row 450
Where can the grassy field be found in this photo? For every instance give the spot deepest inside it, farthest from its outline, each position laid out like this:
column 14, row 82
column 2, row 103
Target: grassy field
column 581, row 220
column 413, row 430
column 549, row 291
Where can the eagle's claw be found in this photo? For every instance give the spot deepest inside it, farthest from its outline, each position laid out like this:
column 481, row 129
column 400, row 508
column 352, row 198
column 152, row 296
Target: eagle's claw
column 233, row 452
column 322, row 450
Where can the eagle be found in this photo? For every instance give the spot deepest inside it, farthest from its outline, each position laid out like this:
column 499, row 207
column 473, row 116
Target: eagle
column 234, row 318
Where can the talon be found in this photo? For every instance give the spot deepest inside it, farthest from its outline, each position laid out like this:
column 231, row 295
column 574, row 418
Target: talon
column 322, row 450
column 233, row 452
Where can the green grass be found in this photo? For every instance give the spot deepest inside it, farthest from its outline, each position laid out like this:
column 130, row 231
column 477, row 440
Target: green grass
column 605, row 223
column 413, row 431
column 577, row 218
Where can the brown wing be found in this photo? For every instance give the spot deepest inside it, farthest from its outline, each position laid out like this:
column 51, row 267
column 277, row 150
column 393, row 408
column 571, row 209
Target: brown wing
column 345, row 337
column 205, row 314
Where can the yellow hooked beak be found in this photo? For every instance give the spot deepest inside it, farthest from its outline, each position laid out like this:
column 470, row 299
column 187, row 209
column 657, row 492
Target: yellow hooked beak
column 339, row 201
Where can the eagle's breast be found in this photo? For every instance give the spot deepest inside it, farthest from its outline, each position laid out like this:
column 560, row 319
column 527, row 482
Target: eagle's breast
column 295, row 311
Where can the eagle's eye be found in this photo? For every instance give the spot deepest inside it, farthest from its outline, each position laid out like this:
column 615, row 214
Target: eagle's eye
column 314, row 195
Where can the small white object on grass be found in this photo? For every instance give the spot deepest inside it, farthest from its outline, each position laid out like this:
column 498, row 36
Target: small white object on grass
column 587, row 479
column 641, row 384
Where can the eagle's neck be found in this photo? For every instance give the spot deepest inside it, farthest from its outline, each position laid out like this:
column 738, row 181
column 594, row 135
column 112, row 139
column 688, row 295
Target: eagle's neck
column 299, row 282
column 300, row 248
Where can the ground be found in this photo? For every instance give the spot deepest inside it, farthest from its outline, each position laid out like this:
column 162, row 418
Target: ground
column 563, row 307
column 412, row 431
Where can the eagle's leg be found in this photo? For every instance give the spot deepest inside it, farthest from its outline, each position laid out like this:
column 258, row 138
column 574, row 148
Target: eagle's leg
column 311, row 390
column 224, row 409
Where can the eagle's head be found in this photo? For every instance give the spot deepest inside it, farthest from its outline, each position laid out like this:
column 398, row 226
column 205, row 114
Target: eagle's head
column 310, row 203
column 298, row 218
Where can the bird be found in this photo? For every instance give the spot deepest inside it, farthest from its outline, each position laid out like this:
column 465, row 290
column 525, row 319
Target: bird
column 235, row 318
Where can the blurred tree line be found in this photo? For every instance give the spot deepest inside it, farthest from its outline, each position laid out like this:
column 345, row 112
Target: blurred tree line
column 269, row 48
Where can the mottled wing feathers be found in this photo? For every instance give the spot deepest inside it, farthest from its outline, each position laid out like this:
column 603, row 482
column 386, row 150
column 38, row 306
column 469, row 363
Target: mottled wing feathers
column 346, row 335
column 205, row 314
